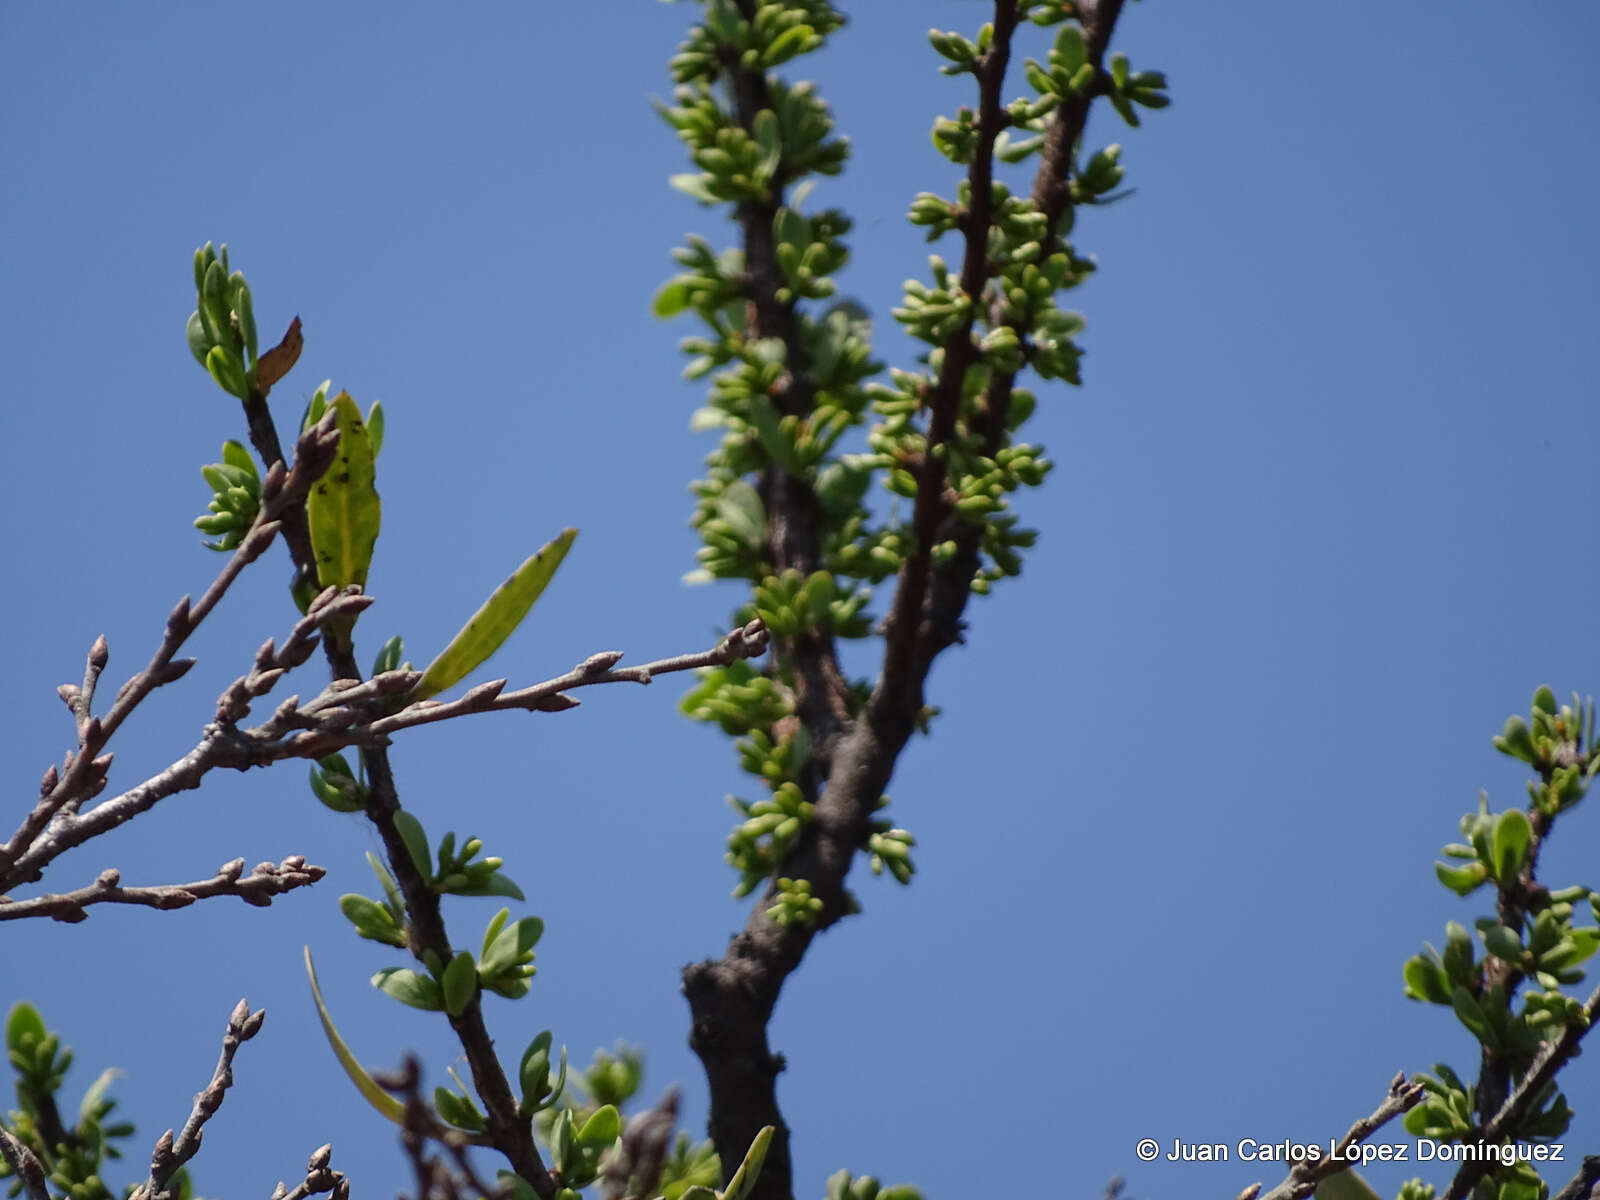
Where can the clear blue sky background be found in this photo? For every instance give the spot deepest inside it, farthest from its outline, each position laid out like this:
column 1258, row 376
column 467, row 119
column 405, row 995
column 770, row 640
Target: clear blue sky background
column 1322, row 518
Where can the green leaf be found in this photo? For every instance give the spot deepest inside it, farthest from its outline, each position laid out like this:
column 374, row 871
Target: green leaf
column 768, row 142
column 343, row 508
column 1513, row 833
column 460, row 983
column 495, row 885
column 672, row 298
column 509, row 945
column 600, row 1130
column 410, row 987
column 1544, row 700
column 1461, row 880
column 1426, row 980
column 740, row 506
column 24, row 1028
column 416, row 840
column 492, row 624
column 744, row 1179
column 1472, row 1016
column 786, row 45
column 385, row 1104
column 696, row 185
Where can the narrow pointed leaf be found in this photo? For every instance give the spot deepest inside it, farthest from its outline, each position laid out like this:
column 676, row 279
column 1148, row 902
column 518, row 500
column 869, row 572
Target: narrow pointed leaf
column 382, row 1101
column 744, row 1179
column 492, row 624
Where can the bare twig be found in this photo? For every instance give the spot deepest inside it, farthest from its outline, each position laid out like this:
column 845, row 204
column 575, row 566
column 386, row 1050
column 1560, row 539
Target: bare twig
column 257, row 888
column 84, row 771
column 24, row 1165
column 345, row 714
column 320, row 1177
column 172, row 1152
column 434, row 1178
column 1304, row 1177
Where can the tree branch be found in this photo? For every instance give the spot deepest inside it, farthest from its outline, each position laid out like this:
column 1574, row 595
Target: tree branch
column 1304, row 1176
column 732, row 999
column 257, row 888
column 1543, row 1069
column 172, row 1152
column 83, row 773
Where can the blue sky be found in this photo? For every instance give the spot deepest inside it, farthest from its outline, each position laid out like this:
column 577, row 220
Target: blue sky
column 1321, row 519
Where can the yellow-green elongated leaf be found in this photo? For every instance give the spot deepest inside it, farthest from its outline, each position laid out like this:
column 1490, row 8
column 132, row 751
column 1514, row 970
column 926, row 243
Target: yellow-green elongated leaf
column 492, row 624
column 744, row 1179
column 374, row 1095
column 343, row 507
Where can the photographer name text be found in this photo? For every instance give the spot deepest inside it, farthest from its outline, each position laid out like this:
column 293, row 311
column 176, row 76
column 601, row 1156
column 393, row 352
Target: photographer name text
column 1363, row 1154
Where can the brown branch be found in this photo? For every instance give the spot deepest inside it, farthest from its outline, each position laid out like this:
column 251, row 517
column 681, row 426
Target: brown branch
column 24, row 1165
column 1511, row 1114
column 732, row 999
column 1303, row 1178
column 172, row 1152
column 1582, row 1185
column 435, row 1180
column 794, row 515
column 345, row 714
column 84, row 772
column 257, row 888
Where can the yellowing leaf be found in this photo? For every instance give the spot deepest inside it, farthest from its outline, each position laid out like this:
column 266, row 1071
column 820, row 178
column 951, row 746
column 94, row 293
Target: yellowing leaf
column 492, row 624
column 343, row 508
column 374, row 1095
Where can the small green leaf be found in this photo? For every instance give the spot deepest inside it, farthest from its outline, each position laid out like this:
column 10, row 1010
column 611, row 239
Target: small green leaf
column 740, row 506
column 600, row 1130
column 24, row 1028
column 460, row 983
column 495, row 885
column 410, row 987
column 1461, row 880
column 343, row 509
column 492, row 624
column 696, row 185
column 1544, row 700
column 385, row 1104
column 509, row 946
column 786, row 45
column 1513, row 833
column 1425, row 980
column 416, row 840
column 672, row 298
column 744, row 1179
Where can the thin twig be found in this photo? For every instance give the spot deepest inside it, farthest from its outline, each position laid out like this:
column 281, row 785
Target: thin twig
column 320, row 1177
column 84, row 771
column 1304, row 1176
column 24, row 1165
column 257, row 888
column 319, row 728
column 172, row 1152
